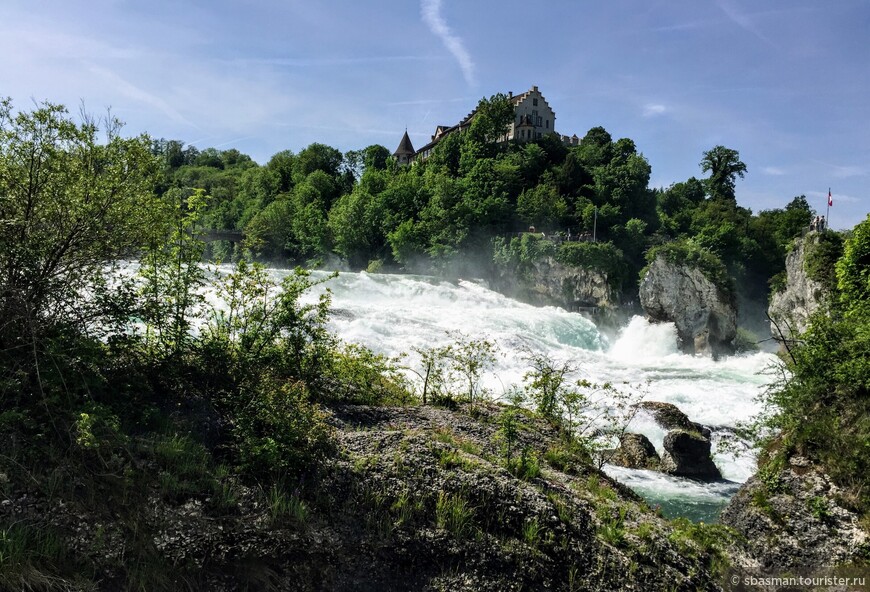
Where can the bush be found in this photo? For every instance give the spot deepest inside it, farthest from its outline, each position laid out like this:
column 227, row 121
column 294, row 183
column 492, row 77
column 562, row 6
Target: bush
column 603, row 257
column 278, row 432
column 820, row 258
column 358, row 375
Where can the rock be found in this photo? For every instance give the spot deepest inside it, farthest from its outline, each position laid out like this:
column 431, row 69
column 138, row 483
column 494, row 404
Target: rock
column 791, row 308
column 687, row 454
column 636, row 452
column 669, row 416
column 706, row 321
column 549, row 282
column 795, row 521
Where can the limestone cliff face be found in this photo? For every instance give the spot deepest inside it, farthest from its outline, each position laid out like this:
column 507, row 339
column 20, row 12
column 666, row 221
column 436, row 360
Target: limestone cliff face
column 795, row 521
column 549, row 282
column 706, row 323
column 791, row 308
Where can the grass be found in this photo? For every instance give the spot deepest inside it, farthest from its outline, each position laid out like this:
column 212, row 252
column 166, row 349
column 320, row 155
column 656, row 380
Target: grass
column 453, row 514
column 406, row 509
column 599, row 489
column 450, row 458
column 565, row 456
column 705, row 542
column 184, row 467
column 532, row 532
column 612, row 527
column 30, row 557
column 562, row 510
column 525, row 467
column 287, row 508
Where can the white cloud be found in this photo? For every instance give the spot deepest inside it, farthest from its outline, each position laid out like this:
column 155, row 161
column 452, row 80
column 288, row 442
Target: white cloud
column 653, row 109
column 843, row 172
column 837, row 197
column 775, row 171
column 431, row 11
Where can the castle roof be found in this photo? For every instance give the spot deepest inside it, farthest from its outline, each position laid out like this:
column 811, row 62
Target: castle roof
column 405, row 147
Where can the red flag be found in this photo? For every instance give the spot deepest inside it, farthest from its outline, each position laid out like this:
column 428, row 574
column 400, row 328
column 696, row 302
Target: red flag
column 830, row 199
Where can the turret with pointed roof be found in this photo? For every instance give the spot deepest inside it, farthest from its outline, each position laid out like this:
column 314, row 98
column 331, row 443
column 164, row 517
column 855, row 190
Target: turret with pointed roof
column 405, row 152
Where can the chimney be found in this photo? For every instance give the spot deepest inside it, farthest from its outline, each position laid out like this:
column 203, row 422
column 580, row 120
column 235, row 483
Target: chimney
column 510, row 94
column 534, row 89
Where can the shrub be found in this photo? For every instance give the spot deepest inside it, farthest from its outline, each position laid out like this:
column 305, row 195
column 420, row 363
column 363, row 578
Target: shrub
column 604, row 257
column 358, row 375
column 822, row 250
column 278, row 431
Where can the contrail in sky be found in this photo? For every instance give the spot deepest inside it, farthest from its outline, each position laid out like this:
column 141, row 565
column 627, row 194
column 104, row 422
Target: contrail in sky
column 431, row 10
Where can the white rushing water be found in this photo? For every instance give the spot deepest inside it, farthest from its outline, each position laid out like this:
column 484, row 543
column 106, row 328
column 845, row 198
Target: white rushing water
column 392, row 314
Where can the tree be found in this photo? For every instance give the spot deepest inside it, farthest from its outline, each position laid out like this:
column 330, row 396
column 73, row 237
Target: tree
column 69, row 203
column 724, row 166
column 853, row 268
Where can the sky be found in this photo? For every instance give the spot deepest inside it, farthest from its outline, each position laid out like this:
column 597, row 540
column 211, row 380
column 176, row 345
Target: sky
column 784, row 82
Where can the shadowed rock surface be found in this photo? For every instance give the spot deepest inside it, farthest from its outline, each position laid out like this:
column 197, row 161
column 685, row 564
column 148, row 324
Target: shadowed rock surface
column 795, row 519
column 706, row 322
column 416, row 498
column 636, row 452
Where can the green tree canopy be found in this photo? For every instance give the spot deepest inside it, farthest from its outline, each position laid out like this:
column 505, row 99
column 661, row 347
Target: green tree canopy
column 724, row 166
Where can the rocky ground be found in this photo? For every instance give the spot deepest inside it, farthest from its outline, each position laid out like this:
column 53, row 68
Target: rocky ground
column 795, row 518
column 414, row 498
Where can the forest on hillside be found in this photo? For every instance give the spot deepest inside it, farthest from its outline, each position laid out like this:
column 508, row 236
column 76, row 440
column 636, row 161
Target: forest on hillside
column 442, row 215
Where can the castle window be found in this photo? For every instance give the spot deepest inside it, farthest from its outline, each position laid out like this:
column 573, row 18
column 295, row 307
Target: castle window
column 534, row 102
column 548, row 124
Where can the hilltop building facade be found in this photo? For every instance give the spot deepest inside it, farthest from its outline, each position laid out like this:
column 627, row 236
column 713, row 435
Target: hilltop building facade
column 533, row 119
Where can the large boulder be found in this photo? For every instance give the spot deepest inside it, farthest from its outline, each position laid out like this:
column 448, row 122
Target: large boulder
column 670, row 417
column 790, row 308
column 705, row 318
column 687, row 454
column 636, row 452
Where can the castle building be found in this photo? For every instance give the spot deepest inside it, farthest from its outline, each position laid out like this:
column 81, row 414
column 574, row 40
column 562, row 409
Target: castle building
column 533, row 119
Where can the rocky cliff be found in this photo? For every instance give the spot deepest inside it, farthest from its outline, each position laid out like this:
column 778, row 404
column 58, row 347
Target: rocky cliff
column 706, row 320
column 791, row 308
column 795, row 518
column 546, row 281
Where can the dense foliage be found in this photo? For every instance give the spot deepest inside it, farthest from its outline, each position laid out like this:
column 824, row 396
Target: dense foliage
column 821, row 407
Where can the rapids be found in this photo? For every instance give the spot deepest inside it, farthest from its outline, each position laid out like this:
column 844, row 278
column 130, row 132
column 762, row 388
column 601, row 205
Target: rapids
column 392, row 314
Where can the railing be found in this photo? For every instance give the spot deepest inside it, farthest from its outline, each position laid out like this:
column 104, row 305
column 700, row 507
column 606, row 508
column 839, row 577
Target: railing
column 556, row 237
column 217, row 234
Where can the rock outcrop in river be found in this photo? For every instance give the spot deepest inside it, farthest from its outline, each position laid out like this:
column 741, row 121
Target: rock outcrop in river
column 706, row 321
column 687, row 446
column 790, row 309
column 548, row 282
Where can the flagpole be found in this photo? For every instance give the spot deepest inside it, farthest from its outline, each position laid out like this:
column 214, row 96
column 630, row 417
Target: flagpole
column 828, row 212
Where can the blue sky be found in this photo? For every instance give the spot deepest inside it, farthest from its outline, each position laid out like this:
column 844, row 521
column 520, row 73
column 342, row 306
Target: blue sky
column 784, row 82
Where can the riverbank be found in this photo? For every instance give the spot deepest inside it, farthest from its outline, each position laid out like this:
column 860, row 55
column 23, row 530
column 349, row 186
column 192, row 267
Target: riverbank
column 411, row 498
